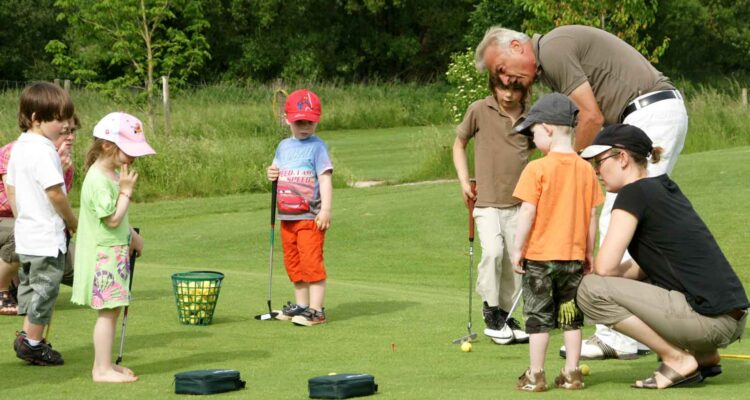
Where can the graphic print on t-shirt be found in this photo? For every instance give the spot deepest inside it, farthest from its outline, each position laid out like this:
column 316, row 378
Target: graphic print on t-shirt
column 296, row 188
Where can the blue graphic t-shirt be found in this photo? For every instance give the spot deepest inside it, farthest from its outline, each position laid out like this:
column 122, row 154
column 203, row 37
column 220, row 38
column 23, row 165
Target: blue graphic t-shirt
column 300, row 162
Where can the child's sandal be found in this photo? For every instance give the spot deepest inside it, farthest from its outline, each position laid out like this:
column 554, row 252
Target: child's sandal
column 8, row 305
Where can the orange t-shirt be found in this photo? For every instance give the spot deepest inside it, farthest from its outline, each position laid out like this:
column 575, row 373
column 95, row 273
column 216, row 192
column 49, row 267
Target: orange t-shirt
column 564, row 189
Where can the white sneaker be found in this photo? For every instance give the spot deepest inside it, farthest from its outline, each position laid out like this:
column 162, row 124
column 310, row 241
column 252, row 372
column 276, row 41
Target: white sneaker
column 594, row 349
column 519, row 335
column 502, row 336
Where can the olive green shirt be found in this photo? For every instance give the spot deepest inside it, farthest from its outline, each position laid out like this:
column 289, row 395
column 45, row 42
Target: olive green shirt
column 570, row 55
column 499, row 153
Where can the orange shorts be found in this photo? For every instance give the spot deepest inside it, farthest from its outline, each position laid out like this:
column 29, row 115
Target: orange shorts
column 303, row 251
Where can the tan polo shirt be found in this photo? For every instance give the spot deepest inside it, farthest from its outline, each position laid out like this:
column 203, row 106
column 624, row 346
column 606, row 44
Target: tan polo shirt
column 499, row 153
column 571, row 55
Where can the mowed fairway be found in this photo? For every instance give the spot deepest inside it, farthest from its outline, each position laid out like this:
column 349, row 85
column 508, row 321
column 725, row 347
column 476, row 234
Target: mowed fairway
column 397, row 260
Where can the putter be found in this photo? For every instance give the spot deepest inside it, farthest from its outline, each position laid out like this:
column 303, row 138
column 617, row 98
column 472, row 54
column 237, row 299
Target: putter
column 270, row 314
column 472, row 335
column 737, row 356
column 125, row 313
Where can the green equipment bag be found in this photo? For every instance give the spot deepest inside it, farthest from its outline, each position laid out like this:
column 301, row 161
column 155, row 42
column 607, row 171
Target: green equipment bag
column 341, row 386
column 207, row 381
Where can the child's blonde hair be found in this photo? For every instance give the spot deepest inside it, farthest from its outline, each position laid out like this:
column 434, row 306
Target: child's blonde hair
column 99, row 148
column 43, row 102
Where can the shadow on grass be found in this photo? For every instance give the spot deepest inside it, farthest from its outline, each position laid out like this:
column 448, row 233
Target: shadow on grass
column 368, row 309
column 194, row 361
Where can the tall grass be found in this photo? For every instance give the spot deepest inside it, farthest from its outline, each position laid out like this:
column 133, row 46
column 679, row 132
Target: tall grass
column 223, row 136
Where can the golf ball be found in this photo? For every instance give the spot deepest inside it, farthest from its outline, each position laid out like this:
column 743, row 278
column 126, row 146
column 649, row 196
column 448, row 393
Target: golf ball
column 466, row 347
column 331, row 373
column 585, row 369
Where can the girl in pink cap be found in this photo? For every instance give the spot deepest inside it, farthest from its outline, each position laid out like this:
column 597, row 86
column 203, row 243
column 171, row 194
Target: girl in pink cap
column 105, row 239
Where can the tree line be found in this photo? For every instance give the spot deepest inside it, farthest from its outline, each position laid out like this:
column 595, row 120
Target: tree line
column 118, row 43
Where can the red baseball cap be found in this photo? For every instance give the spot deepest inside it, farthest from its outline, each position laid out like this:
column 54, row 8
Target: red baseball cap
column 303, row 105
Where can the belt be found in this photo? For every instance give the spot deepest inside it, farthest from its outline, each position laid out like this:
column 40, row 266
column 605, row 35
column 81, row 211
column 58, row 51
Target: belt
column 648, row 100
column 737, row 313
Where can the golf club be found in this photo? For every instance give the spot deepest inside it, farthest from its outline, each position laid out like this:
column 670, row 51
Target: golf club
column 472, row 335
column 270, row 314
column 125, row 313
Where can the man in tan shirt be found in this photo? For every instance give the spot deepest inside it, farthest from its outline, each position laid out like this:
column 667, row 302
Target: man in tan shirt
column 610, row 82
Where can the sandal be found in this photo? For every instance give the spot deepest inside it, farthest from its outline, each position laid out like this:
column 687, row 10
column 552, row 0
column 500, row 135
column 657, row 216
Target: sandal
column 8, row 305
column 672, row 375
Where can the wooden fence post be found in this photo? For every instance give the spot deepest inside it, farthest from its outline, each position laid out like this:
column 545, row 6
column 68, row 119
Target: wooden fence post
column 66, row 85
column 165, row 94
column 744, row 97
column 57, row 81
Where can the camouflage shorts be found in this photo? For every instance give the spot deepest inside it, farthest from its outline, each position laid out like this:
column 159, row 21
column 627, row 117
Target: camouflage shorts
column 40, row 284
column 549, row 295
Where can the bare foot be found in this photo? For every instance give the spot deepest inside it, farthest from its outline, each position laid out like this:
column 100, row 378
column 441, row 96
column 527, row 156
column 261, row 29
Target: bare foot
column 123, row 370
column 112, row 376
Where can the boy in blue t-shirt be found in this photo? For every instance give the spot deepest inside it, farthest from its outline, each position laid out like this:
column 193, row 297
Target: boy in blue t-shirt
column 304, row 193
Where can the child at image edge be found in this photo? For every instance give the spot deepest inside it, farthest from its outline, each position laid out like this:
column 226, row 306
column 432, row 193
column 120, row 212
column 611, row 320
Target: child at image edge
column 555, row 236
column 304, row 194
column 105, row 239
column 36, row 191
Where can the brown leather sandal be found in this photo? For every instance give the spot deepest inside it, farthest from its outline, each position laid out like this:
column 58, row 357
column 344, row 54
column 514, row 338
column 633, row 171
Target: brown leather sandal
column 673, row 376
column 8, row 305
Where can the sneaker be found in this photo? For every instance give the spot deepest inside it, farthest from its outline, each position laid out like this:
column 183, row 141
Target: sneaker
column 532, row 382
column 310, row 317
column 496, row 329
column 20, row 336
column 519, row 335
column 290, row 311
column 572, row 380
column 41, row 354
column 594, row 349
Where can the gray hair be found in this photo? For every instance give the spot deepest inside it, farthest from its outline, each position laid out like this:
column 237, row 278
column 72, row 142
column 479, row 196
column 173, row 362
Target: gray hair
column 499, row 37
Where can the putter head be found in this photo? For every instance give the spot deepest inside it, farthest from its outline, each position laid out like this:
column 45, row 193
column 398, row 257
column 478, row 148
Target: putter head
column 266, row 316
column 468, row 338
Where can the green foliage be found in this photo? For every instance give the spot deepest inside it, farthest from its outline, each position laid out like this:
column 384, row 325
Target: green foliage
column 467, row 84
column 489, row 13
column 627, row 19
column 25, row 25
column 117, row 45
column 710, row 39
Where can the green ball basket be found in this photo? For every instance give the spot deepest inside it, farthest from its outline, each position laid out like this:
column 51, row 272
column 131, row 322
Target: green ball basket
column 196, row 294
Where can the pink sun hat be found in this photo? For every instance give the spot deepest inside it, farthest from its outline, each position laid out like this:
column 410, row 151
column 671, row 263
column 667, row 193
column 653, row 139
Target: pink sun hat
column 126, row 131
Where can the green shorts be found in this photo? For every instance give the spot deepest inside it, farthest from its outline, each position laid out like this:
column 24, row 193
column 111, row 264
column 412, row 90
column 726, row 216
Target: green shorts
column 549, row 295
column 40, row 283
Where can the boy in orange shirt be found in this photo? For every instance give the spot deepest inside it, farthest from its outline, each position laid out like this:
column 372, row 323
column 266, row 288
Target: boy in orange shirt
column 554, row 244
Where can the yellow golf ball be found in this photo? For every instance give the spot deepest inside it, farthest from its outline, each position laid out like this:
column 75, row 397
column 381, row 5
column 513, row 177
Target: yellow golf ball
column 585, row 369
column 466, row 347
column 331, row 373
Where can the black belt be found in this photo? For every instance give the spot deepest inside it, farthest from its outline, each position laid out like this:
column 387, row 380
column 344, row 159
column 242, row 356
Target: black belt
column 648, row 100
column 737, row 313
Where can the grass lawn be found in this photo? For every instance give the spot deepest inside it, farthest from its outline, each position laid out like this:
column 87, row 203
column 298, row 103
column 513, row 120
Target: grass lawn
column 383, row 154
column 397, row 259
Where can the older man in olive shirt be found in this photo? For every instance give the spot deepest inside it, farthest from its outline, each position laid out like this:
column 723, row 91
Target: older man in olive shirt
column 610, row 82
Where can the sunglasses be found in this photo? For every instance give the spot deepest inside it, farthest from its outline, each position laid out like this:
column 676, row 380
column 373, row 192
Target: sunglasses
column 598, row 163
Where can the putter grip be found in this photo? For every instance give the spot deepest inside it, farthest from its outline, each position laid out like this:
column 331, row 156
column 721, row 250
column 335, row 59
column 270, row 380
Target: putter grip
column 471, row 202
column 274, row 185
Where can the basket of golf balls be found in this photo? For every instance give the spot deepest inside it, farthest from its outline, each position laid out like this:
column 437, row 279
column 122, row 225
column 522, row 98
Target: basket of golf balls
column 196, row 294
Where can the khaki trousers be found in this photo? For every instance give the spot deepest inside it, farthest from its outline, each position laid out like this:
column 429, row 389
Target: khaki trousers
column 496, row 281
column 609, row 300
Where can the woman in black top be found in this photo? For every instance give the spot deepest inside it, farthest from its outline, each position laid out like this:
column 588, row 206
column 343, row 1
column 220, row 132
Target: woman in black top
column 692, row 302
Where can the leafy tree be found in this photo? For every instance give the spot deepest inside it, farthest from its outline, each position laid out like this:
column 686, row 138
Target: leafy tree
column 116, row 44
column 628, row 19
column 27, row 26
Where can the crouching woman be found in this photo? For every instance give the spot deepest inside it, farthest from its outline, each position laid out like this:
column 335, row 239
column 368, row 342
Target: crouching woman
column 693, row 302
